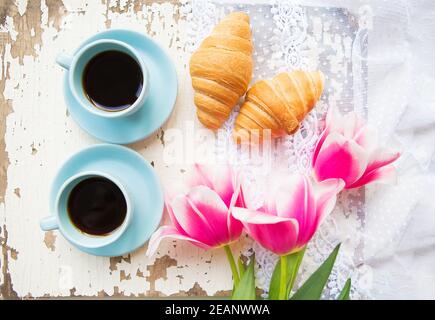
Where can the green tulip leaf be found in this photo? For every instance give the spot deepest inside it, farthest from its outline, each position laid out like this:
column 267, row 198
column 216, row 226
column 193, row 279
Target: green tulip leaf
column 313, row 287
column 293, row 262
column 345, row 293
column 245, row 290
column 275, row 282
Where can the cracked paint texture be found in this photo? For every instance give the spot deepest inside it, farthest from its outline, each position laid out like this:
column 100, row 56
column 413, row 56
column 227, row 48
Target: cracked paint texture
column 37, row 135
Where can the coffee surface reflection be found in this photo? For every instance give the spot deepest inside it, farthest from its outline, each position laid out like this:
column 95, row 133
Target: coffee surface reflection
column 112, row 80
column 97, row 206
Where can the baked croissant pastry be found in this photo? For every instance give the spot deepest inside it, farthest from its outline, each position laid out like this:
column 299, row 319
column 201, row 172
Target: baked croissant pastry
column 279, row 104
column 221, row 69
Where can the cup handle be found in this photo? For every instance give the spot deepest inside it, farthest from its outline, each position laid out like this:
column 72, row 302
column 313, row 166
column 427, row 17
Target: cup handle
column 64, row 60
column 49, row 223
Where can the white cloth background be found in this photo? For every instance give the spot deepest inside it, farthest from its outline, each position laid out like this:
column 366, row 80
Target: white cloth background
column 401, row 104
column 405, row 267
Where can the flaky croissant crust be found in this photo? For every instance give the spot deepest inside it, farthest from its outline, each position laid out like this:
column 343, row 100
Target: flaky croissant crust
column 221, row 69
column 279, row 104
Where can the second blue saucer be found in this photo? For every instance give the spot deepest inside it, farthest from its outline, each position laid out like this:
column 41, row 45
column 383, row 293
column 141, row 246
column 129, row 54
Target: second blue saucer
column 135, row 172
column 158, row 106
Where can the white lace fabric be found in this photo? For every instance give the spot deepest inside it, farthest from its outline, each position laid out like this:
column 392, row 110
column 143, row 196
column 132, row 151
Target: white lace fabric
column 337, row 40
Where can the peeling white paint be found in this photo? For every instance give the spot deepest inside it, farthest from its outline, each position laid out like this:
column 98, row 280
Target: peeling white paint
column 10, row 28
column 21, row 5
column 39, row 118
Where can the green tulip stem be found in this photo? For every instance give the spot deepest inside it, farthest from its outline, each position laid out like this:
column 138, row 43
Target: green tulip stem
column 283, row 279
column 299, row 257
column 233, row 266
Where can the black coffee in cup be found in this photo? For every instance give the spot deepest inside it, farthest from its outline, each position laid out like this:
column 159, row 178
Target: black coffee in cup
column 112, row 80
column 96, row 206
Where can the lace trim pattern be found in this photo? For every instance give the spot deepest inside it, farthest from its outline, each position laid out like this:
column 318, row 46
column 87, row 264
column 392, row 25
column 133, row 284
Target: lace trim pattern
column 288, row 36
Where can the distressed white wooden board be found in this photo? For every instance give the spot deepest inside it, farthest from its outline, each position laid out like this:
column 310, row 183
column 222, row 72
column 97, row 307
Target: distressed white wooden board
column 40, row 136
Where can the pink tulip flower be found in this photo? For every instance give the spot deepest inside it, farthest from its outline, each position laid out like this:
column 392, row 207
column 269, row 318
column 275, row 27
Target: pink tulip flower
column 202, row 215
column 292, row 214
column 348, row 149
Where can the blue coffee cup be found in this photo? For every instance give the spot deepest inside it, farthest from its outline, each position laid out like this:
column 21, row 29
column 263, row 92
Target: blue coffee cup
column 61, row 220
column 77, row 63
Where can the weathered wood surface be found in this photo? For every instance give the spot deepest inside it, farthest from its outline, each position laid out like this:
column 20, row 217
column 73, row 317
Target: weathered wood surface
column 37, row 135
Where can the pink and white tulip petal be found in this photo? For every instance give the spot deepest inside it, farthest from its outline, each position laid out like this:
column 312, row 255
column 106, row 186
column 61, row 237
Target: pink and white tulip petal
column 350, row 125
column 385, row 175
column 218, row 178
column 248, row 216
column 192, row 221
column 203, row 214
column 340, row 158
column 326, row 197
column 276, row 234
column 295, row 199
column 295, row 209
column 235, row 227
column 367, row 138
column 380, row 158
column 348, row 149
column 333, row 121
column 318, row 146
column 169, row 232
column 207, row 204
column 172, row 216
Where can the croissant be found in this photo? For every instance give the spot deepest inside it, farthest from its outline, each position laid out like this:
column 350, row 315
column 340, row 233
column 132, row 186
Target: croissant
column 279, row 104
column 221, row 69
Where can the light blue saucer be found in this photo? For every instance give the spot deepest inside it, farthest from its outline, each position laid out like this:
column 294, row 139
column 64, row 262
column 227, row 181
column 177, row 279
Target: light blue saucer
column 158, row 106
column 139, row 177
